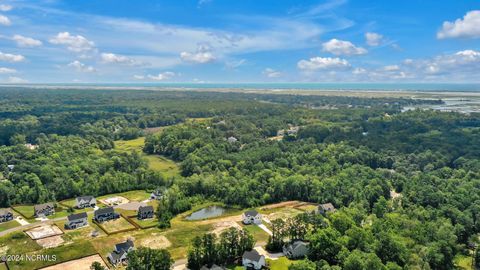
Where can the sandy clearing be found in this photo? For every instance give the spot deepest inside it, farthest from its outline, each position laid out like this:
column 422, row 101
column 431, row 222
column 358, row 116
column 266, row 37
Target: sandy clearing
column 155, row 241
column 43, row 231
column 223, row 225
column 279, row 205
column 79, row 264
column 51, row 242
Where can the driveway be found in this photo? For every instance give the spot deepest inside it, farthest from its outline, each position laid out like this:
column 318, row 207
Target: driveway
column 263, row 227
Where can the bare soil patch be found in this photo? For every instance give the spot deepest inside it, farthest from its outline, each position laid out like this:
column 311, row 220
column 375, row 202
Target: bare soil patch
column 44, row 231
column 223, row 225
column 79, row 264
column 115, row 200
column 155, row 241
column 279, row 205
column 51, row 242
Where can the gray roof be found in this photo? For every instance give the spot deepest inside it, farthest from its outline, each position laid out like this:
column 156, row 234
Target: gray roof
column 327, row 207
column 147, row 208
column 43, row 206
column 85, row 198
column 251, row 213
column 124, row 246
column 298, row 243
column 77, row 216
column 252, row 255
column 5, row 211
column 102, row 211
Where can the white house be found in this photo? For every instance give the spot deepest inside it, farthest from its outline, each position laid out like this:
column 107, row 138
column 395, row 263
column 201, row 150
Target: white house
column 252, row 217
column 85, row 201
column 253, row 260
column 232, row 139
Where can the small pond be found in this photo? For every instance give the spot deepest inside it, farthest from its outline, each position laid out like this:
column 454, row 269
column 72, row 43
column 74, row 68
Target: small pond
column 207, row 212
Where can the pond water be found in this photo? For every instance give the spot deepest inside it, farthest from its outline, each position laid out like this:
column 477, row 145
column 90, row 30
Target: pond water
column 207, row 212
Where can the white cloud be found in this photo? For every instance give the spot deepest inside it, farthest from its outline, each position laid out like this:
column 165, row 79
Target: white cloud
column 26, row 41
column 162, row 76
column 271, row 73
column 4, row 20
column 4, row 70
column 203, row 55
column 74, row 43
column 138, row 77
column 316, row 63
column 118, row 59
column 11, row 57
column 13, row 79
column 79, row 66
column 468, row 27
column 234, row 64
column 341, row 47
column 373, row 39
column 5, row 7
column 391, row 68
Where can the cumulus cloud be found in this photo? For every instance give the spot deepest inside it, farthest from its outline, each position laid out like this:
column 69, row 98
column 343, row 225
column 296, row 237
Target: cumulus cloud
column 5, row 7
column 11, row 57
column 4, row 20
column 341, row 47
column 359, row 71
column 373, row 39
column 26, row 41
column 79, row 66
column 118, row 59
column 271, row 73
column 74, row 43
column 4, row 70
column 468, row 27
column 203, row 55
column 316, row 63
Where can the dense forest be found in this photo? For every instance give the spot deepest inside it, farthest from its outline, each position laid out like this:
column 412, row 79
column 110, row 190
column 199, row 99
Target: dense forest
column 406, row 184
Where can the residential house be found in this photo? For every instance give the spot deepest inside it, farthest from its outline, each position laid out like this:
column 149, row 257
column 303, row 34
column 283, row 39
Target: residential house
column 119, row 254
column 11, row 167
column 85, row 201
column 326, row 208
column 296, row 250
column 145, row 212
column 43, row 210
column 253, row 260
column 156, row 195
column 5, row 215
column 252, row 216
column 293, row 130
column 105, row 214
column 76, row 221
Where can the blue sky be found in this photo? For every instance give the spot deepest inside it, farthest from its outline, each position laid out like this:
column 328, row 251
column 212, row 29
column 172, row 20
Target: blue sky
column 53, row 41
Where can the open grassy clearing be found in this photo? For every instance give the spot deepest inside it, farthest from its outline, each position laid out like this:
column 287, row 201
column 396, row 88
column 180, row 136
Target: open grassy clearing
column 155, row 162
column 281, row 264
column 146, row 223
column 63, row 253
column 260, row 235
column 463, row 262
column 3, row 266
column 8, row 225
column 116, row 225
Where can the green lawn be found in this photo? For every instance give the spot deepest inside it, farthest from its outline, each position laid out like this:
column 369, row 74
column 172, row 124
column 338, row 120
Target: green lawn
column 146, row 222
column 3, row 266
column 24, row 210
column 260, row 235
column 116, row 225
column 155, row 162
column 63, row 253
column 281, row 264
column 8, row 225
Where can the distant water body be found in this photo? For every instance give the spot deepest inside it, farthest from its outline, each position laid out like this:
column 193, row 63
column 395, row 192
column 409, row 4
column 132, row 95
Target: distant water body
column 421, row 87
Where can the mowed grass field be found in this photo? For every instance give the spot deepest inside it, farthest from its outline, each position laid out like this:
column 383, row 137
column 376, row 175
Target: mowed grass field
column 155, row 162
column 8, row 225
